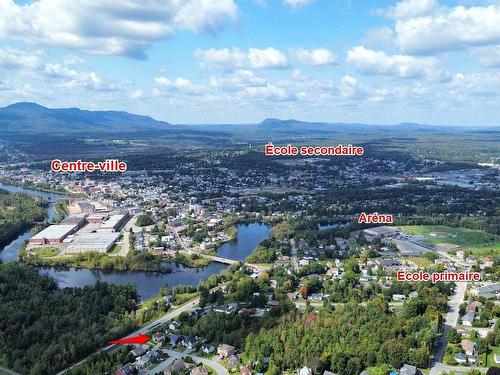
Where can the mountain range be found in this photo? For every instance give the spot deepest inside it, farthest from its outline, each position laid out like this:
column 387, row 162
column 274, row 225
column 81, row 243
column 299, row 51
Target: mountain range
column 36, row 119
column 32, row 120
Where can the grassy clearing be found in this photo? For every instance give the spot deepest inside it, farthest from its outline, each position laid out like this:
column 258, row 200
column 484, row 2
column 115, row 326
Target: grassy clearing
column 420, row 261
column 47, row 252
column 115, row 249
column 192, row 261
column 484, row 249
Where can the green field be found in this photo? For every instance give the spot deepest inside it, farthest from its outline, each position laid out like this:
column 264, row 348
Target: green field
column 420, row 261
column 479, row 242
column 47, row 252
column 115, row 249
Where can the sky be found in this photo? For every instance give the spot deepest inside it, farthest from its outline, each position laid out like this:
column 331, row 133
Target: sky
column 241, row 61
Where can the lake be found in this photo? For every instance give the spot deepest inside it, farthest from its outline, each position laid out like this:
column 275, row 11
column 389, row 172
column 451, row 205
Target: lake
column 148, row 283
column 247, row 239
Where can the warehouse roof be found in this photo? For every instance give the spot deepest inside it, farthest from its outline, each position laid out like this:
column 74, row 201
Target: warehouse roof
column 112, row 221
column 383, row 230
column 99, row 240
column 54, row 231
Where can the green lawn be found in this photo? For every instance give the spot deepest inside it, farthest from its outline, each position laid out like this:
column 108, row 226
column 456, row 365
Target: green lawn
column 420, row 261
column 115, row 249
column 479, row 242
column 489, row 249
column 47, row 252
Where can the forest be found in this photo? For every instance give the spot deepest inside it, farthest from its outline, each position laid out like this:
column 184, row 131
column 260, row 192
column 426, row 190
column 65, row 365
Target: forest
column 44, row 329
column 134, row 261
column 351, row 339
column 18, row 212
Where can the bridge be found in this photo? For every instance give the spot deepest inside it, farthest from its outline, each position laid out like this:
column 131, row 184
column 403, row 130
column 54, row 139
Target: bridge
column 220, row 259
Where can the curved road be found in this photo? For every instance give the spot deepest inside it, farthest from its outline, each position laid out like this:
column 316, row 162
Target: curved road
column 221, row 370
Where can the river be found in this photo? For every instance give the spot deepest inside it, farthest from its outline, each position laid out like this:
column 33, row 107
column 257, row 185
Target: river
column 148, row 283
column 247, row 239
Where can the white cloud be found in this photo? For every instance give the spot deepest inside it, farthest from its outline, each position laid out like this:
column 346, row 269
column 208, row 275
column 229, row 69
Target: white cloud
column 380, row 36
column 178, row 85
column 298, row 3
column 88, row 81
column 475, row 85
column 31, row 66
column 488, row 56
column 238, row 79
column 448, row 29
column 227, row 58
column 12, row 58
column 379, row 63
column 269, row 92
column 268, row 58
column 317, row 57
column 351, row 88
column 74, row 60
column 412, row 8
column 110, row 27
column 136, row 94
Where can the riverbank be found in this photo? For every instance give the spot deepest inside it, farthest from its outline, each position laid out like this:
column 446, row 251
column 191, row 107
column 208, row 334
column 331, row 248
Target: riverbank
column 133, row 261
column 45, row 189
column 19, row 213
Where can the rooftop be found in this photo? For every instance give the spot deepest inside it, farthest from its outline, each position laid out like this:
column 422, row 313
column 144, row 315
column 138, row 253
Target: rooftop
column 54, row 231
column 100, row 240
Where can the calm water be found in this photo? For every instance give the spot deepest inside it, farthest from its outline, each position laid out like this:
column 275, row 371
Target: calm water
column 248, row 238
column 148, row 283
column 11, row 251
column 331, row 226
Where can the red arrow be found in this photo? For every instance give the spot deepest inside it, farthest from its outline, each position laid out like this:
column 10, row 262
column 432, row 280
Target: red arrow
column 139, row 339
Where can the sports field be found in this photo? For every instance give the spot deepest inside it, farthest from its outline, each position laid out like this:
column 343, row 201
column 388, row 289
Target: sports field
column 449, row 238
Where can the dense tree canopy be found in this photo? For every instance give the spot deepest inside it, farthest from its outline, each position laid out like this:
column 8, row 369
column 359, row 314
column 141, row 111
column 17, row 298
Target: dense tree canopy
column 18, row 212
column 44, row 329
column 347, row 341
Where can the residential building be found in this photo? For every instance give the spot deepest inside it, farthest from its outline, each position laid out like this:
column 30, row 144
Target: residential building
column 225, row 350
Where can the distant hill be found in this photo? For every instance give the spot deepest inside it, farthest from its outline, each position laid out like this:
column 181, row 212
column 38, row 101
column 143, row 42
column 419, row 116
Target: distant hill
column 281, row 126
column 32, row 118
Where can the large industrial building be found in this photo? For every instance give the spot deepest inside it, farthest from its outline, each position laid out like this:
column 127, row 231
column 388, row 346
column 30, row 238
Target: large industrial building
column 100, row 242
column 380, row 232
column 53, row 234
column 114, row 223
column 78, row 220
column 410, row 249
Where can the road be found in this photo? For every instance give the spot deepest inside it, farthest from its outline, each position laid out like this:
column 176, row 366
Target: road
column 295, row 262
column 444, row 254
column 221, row 370
column 171, row 315
column 126, row 235
column 451, row 321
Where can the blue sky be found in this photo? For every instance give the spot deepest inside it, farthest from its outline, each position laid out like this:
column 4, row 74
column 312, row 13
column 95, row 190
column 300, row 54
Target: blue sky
column 240, row 61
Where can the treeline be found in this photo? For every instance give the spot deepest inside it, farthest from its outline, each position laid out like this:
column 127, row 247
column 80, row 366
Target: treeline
column 18, row 213
column 347, row 341
column 133, row 261
column 103, row 363
column 44, row 329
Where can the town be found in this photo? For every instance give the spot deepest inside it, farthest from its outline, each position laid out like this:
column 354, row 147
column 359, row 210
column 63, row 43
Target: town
column 319, row 255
